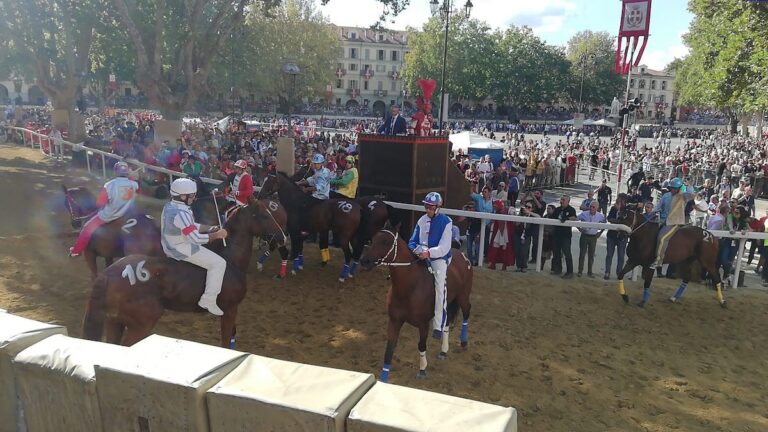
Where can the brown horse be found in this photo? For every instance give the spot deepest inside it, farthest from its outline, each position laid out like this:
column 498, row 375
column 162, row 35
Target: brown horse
column 134, row 233
column 130, row 296
column 341, row 216
column 688, row 244
column 411, row 298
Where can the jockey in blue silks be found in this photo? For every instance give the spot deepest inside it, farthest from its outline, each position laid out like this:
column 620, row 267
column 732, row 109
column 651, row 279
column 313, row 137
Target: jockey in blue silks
column 431, row 240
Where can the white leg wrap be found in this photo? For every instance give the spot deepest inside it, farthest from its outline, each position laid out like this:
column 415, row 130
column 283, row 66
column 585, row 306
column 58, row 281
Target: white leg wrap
column 422, row 360
column 444, row 341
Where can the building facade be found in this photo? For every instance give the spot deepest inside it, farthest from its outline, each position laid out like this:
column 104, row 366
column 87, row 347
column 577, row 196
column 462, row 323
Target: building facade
column 655, row 90
column 369, row 69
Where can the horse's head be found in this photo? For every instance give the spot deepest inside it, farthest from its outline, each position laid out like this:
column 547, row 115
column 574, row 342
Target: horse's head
column 383, row 248
column 270, row 218
column 80, row 203
column 269, row 185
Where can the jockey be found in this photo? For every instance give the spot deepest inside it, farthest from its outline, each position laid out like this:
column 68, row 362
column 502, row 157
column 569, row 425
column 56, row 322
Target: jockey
column 671, row 211
column 431, row 240
column 319, row 184
column 346, row 185
column 182, row 238
column 241, row 188
column 115, row 199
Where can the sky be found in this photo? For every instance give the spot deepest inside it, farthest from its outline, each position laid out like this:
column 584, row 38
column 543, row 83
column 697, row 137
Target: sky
column 555, row 21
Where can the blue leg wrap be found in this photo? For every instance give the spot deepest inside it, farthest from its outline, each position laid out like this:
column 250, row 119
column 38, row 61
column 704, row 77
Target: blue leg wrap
column 384, row 377
column 464, row 332
column 301, row 261
column 296, row 264
column 344, row 272
column 680, row 290
column 646, row 294
column 263, row 257
column 232, row 342
column 353, row 269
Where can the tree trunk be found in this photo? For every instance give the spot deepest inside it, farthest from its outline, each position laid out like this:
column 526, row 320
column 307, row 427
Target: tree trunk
column 167, row 130
column 65, row 116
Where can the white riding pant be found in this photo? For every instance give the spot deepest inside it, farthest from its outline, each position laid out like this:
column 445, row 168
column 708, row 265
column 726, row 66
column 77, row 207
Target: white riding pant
column 440, row 269
column 215, row 266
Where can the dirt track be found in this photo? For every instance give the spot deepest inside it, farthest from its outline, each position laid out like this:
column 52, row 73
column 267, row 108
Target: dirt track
column 569, row 356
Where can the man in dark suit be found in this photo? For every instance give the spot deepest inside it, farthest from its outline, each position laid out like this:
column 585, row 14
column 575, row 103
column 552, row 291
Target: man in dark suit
column 394, row 124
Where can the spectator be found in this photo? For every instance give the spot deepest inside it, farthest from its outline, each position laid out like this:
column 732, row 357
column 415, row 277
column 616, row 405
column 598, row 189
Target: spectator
column 589, row 236
column 604, row 195
column 588, row 201
column 501, row 248
column 524, row 232
column 473, row 234
column 562, row 236
column 738, row 220
column 616, row 240
column 484, row 204
column 500, row 193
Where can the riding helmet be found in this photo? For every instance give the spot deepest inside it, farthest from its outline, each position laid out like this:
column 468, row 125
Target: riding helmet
column 318, row 158
column 183, row 186
column 675, row 183
column 122, row 169
column 241, row 164
column 433, row 198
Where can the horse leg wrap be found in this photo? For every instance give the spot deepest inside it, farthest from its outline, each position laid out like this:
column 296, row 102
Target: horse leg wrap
column 384, row 377
column 646, row 294
column 622, row 291
column 283, row 268
column 301, row 261
column 263, row 257
column 464, row 337
column 422, row 361
column 445, row 346
column 344, row 273
column 680, row 290
column 325, row 254
column 353, row 269
column 296, row 264
column 719, row 290
column 232, row 342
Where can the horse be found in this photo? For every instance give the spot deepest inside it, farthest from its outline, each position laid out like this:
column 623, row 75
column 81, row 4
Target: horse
column 130, row 296
column 690, row 243
column 342, row 216
column 635, row 179
column 133, row 233
column 411, row 297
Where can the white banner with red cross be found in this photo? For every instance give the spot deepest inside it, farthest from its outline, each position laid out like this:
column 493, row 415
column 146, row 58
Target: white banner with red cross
column 634, row 27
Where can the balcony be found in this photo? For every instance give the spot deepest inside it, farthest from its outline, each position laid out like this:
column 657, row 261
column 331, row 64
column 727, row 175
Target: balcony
column 394, row 74
column 353, row 92
column 340, row 72
column 380, row 93
column 367, row 73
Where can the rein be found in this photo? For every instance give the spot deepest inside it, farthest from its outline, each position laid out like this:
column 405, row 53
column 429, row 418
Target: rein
column 393, row 248
column 269, row 212
column 72, row 204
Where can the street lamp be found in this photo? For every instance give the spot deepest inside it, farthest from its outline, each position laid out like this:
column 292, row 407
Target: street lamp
column 582, row 62
column 291, row 70
column 445, row 13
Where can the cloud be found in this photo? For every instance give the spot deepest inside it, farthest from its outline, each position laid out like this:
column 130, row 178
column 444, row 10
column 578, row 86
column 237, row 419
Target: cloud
column 659, row 58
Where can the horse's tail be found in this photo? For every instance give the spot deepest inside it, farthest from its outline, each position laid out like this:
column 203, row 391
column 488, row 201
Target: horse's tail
column 93, row 321
column 453, row 311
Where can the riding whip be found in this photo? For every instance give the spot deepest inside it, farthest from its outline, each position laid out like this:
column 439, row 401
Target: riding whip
column 218, row 215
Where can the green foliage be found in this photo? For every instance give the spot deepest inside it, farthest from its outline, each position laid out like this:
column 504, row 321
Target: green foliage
column 291, row 32
column 592, row 55
column 728, row 59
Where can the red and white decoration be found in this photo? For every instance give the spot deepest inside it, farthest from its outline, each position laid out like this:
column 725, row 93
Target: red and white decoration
column 635, row 25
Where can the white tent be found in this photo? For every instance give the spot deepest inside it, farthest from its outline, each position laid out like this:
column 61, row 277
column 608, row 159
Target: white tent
column 465, row 140
column 604, row 122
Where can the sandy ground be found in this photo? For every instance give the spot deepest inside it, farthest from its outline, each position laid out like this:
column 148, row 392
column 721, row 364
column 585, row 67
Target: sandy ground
column 568, row 355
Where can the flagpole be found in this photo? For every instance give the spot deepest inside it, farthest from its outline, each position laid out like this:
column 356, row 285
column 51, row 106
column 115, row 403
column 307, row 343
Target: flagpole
column 624, row 126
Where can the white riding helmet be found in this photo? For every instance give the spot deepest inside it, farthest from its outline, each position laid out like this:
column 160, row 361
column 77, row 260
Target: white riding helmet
column 183, row 186
column 241, row 164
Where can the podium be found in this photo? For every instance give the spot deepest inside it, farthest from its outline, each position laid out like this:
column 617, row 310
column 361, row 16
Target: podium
column 406, row 168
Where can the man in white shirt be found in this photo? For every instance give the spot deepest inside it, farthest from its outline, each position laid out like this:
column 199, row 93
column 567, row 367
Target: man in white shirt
column 589, row 236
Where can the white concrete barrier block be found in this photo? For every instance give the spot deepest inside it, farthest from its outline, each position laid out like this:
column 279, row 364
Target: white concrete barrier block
column 17, row 334
column 274, row 395
column 160, row 385
column 57, row 383
column 391, row 408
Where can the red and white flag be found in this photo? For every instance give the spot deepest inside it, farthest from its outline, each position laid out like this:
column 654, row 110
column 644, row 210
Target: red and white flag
column 634, row 27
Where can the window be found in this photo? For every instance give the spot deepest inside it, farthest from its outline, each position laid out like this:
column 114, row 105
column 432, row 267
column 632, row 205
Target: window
column 653, row 84
column 642, row 71
column 366, row 67
column 367, row 53
column 353, row 84
column 128, row 91
column 365, row 85
column 661, row 98
column 393, row 85
column 642, row 84
column 339, row 84
column 353, row 53
column 650, row 113
column 380, row 85
column 641, row 97
column 381, row 68
column 353, row 35
column 338, row 101
column 339, row 66
column 632, row 83
column 650, row 97
column 394, row 55
column 352, row 67
column 392, row 102
column 663, row 85
column 380, row 55
column 631, row 95
column 380, row 38
column 343, row 53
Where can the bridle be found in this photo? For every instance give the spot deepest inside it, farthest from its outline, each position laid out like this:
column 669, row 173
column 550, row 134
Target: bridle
column 392, row 251
column 269, row 212
column 71, row 204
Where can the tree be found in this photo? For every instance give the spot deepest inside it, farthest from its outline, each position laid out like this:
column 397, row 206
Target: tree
column 110, row 55
column 592, row 56
column 470, row 62
column 292, row 32
column 530, row 71
column 727, row 62
column 53, row 38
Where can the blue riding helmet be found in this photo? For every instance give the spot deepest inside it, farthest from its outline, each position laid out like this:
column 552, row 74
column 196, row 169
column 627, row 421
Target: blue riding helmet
column 122, row 169
column 318, row 158
column 675, row 183
column 433, row 198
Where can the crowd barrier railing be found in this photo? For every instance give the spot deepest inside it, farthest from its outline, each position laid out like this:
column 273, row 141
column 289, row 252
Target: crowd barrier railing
column 56, row 150
column 741, row 236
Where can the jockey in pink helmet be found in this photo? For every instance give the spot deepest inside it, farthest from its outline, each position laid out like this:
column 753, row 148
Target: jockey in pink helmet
column 115, row 199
